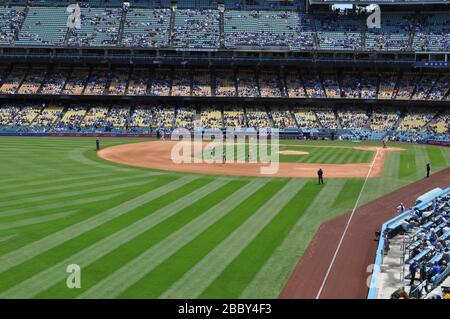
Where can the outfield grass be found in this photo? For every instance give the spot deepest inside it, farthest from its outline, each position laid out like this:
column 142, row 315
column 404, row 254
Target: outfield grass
column 155, row 234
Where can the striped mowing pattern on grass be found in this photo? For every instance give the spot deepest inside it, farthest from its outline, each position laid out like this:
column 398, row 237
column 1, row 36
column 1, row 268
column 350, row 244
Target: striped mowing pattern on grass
column 174, row 235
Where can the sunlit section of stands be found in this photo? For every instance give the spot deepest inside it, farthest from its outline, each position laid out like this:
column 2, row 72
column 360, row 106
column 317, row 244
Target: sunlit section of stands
column 55, row 81
column 313, row 86
column 48, row 116
column 71, row 119
column 12, row 82
column 77, row 81
column 339, row 32
column 234, row 117
column 327, row 118
column 119, row 80
column 369, row 86
column 432, row 32
column 383, row 119
column 201, row 83
column 440, row 89
column 163, row 117
column 424, row 86
column 394, row 34
column 137, row 85
column 26, row 115
column 43, row 26
column 387, row 86
column 181, row 85
column 140, row 119
column 351, row 88
column 117, row 117
column 267, row 29
column 185, row 117
column 246, row 83
column 97, row 83
column 148, row 28
column 406, row 86
column 415, row 121
column 7, row 114
column 11, row 19
column 196, row 29
column 257, row 117
column 211, row 118
column 161, row 83
column 225, row 85
column 294, row 85
column 441, row 124
column 99, row 27
column 305, row 118
column 353, row 119
column 95, row 117
column 282, row 118
column 331, row 86
column 269, row 85
column 32, row 81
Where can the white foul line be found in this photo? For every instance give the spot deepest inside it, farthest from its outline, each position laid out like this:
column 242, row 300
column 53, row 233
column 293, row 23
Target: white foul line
column 346, row 229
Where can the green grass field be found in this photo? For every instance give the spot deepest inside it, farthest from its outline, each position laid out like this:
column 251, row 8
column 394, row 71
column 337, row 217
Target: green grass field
column 324, row 155
column 138, row 233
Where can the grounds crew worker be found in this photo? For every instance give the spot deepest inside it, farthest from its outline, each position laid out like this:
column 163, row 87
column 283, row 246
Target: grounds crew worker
column 320, row 175
column 97, row 144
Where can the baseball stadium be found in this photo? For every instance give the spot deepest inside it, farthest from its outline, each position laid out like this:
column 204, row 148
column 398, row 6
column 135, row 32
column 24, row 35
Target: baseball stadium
column 225, row 149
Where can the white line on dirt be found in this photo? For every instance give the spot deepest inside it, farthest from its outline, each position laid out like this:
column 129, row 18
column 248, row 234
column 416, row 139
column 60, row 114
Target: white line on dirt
column 322, row 286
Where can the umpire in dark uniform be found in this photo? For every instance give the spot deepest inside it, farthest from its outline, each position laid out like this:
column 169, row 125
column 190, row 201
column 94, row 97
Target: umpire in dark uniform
column 97, row 144
column 320, row 175
column 428, row 169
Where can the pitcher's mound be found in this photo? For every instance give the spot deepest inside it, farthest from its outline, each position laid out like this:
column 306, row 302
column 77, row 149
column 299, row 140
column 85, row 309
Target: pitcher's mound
column 292, row 152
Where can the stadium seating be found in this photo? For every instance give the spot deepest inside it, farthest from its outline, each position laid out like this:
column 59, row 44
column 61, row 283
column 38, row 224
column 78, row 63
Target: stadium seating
column 234, row 117
column 163, row 117
column 424, row 87
column 77, row 81
column 257, row 117
column 43, row 26
column 185, row 117
column 269, row 85
column 140, row 120
column 246, row 84
column 211, row 118
column 181, row 84
column 441, row 123
column 11, row 19
column 196, row 29
column 95, row 118
column 305, row 118
column 337, row 32
column 415, row 121
column 32, row 82
column 71, row 120
column 313, row 86
column 282, row 118
column 387, row 86
column 55, row 81
column 327, row 118
column 161, row 83
column 96, row 84
column 331, row 86
column 265, row 29
column 406, row 86
column 13, row 81
column 393, row 36
column 353, row 119
column 432, row 32
column 48, row 116
column 147, row 28
column 137, row 84
column 294, row 85
column 225, row 84
column 201, row 83
column 119, row 81
column 383, row 119
column 99, row 27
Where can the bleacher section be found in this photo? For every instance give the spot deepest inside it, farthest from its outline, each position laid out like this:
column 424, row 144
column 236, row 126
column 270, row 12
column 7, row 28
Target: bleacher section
column 148, row 28
column 424, row 231
column 43, row 26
